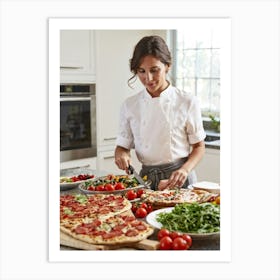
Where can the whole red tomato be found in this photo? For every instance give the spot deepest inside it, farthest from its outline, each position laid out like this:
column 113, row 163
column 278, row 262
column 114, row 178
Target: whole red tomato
column 91, row 188
column 131, row 194
column 109, row 187
column 141, row 212
column 140, row 192
column 150, row 208
column 179, row 244
column 188, row 238
column 175, row 234
column 144, row 205
column 165, row 243
column 99, row 188
column 119, row 186
column 163, row 232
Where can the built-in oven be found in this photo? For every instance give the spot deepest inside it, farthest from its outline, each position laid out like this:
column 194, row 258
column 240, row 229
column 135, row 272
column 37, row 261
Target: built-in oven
column 77, row 121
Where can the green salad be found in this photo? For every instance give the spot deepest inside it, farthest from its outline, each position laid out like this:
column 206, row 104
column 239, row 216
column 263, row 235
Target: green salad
column 192, row 218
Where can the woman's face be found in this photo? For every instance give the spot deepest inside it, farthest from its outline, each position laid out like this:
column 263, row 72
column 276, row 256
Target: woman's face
column 152, row 74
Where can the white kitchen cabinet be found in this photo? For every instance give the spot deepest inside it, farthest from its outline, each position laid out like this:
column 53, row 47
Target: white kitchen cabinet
column 88, row 163
column 113, row 50
column 106, row 161
column 77, row 56
column 209, row 167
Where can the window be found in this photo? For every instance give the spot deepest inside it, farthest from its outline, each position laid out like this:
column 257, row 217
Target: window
column 196, row 67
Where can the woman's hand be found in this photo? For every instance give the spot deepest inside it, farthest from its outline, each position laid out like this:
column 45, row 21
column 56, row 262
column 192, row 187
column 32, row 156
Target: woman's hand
column 122, row 158
column 176, row 180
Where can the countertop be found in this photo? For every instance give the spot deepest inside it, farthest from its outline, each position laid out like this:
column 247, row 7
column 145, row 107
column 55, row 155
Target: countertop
column 212, row 140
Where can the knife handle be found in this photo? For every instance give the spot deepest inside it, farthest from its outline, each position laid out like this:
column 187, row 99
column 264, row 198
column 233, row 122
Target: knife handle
column 130, row 170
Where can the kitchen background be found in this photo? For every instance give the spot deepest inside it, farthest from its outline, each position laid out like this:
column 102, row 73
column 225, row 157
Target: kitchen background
column 94, row 69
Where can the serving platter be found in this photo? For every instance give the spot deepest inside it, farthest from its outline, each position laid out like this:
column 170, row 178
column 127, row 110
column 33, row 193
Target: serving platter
column 67, row 174
column 131, row 184
column 71, row 185
column 151, row 219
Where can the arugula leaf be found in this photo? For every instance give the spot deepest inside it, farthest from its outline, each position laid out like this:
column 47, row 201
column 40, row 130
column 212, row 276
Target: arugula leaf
column 81, row 198
column 192, row 218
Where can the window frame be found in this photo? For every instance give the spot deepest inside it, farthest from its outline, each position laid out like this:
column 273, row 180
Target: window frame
column 173, row 48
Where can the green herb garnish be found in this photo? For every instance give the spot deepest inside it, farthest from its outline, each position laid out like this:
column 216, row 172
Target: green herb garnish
column 81, row 198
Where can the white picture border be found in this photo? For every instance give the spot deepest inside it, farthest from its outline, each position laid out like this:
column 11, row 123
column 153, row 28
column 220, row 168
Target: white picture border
column 57, row 255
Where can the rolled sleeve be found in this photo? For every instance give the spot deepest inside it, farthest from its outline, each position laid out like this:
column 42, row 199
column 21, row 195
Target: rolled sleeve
column 197, row 137
column 195, row 130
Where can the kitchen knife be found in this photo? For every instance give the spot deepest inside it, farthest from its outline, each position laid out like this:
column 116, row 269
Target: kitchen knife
column 137, row 176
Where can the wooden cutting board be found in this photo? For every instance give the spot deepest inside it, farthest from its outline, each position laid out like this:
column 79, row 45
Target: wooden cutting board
column 69, row 241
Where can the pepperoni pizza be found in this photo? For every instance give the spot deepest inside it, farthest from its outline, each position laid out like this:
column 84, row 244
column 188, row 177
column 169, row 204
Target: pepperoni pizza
column 101, row 219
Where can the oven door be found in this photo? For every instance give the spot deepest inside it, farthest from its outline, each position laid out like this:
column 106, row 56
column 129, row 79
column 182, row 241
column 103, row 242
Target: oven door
column 77, row 128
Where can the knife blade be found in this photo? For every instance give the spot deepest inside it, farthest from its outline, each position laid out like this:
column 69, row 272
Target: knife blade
column 136, row 175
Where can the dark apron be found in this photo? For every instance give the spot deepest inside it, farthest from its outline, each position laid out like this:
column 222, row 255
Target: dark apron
column 155, row 173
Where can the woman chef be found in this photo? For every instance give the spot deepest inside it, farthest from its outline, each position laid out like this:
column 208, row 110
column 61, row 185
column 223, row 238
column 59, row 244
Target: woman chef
column 162, row 123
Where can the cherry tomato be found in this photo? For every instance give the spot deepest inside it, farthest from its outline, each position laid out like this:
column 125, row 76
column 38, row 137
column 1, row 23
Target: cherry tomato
column 74, row 179
column 188, row 238
column 175, row 234
column 99, row 188
column 134, row 208
column 163, row 232
column 140, row 192
column 150, row 208
column 131, row 194
column 141, row 212
column 109, row 187
column 179, row 244
column 144, row 205
column 91, row 188
column 165, row 243
column 119, row 186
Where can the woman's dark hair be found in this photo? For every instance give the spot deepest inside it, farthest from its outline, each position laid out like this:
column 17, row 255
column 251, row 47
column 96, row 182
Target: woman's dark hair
column 149, row 45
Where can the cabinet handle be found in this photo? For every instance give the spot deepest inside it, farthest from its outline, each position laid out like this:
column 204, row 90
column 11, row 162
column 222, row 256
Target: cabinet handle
column 108, row 157
column 71, row 67
column 78, row 167
column 108, row 139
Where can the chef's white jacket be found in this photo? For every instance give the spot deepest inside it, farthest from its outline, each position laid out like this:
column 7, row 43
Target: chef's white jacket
column 162, row 128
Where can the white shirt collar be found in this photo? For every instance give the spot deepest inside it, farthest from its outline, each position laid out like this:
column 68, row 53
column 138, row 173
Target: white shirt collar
column 166, row 94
